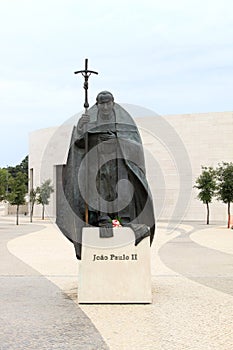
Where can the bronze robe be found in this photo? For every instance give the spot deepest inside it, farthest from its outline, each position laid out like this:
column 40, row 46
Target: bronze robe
column 119, row 159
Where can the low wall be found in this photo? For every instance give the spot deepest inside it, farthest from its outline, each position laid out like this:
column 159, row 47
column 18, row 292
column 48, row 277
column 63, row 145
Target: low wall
column 23, row 209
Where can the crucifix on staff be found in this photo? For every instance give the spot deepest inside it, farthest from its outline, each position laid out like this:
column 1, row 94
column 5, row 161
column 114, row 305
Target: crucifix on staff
column 86, row 74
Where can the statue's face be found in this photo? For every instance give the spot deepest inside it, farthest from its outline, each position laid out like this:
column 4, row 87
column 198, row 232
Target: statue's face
column 105, row 108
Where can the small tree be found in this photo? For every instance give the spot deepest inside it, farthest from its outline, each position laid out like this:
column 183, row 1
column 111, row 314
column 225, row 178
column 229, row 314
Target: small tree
column 225, row 186
column 45, row 191
column 33, row 196
column 206, row 183
column 18, row 190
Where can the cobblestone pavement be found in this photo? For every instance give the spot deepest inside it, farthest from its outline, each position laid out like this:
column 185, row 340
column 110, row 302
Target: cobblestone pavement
column 35, row 314
column 209, row 267
column 192, row 305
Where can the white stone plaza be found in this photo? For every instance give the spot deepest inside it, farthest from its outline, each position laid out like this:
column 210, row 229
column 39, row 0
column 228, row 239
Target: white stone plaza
column 192, row 293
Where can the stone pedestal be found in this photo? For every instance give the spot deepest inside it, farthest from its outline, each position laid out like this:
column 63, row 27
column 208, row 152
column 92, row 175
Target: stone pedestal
column 114, row 270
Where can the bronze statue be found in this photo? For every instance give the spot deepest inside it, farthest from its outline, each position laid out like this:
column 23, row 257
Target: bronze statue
column 104, row 178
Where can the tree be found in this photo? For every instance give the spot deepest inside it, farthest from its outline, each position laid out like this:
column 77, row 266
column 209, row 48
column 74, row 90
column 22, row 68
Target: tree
column 206, row 183
column 45, row 191
column 20, row 168
column 225, row 186
column 33, row 196
column 4, row 181
column 17, row 193
column 23, row 166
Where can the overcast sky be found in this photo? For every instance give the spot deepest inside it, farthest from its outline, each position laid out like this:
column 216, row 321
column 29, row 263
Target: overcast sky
column 169, row 56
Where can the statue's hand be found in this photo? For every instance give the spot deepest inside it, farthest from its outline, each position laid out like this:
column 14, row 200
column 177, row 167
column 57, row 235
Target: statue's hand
column 85, row 118
column 107, row 136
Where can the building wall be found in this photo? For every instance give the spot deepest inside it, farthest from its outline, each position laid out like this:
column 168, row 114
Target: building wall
column 7, row 209
column 176, row 146
column 47, row 148
column 207, row 139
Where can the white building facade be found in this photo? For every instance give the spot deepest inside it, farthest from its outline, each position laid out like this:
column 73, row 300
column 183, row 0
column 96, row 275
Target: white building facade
column 176, row 146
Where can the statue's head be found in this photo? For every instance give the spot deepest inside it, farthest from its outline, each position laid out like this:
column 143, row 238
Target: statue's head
column 104, row 96
column 105, row 103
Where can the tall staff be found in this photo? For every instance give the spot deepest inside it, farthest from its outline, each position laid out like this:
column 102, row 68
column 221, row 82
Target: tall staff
column 86, row 73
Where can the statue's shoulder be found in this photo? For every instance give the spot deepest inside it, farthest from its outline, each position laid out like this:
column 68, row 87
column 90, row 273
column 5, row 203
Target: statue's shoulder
column 122, row 116
column 93, row 111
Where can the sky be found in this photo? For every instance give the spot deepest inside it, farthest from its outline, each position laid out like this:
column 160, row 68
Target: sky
column 170, row 56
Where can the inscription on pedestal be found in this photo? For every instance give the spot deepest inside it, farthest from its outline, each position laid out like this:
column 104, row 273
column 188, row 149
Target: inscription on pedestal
column 115, row 257
column 114, row 270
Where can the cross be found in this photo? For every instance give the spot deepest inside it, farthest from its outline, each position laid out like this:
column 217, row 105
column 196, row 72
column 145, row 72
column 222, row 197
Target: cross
column 86, row 73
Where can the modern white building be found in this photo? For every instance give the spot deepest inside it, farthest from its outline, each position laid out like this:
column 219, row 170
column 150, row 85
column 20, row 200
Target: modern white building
column 176, row 146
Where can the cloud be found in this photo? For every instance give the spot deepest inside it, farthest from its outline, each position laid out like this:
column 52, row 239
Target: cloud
column 170, row 56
